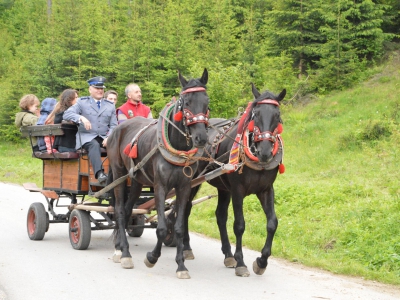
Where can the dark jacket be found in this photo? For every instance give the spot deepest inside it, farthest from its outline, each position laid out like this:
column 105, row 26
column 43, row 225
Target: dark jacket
column 67, row 140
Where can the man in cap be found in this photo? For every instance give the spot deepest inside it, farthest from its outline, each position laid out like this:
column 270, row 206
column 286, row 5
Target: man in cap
column 133, row 107
column 97, row 119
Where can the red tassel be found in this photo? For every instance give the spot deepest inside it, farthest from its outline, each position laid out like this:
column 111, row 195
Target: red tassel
column 276, row 147
column 279, row 129
column 133, row 152
column 251, row 126
column 178, row 116
column 281, row 168
column 127, row 149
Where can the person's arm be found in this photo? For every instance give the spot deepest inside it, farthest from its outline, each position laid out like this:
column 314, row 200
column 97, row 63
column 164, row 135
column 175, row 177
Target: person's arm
column 113, row 124
column 29, row 119
column 74, row 114
column 121, row 116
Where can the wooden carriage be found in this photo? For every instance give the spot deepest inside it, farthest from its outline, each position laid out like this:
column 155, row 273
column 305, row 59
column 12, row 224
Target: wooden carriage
column 69, row 182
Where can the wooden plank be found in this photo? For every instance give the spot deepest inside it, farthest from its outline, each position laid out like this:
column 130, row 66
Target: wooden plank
column 70, row 175
column 42, row 130
column 52, row 174
column 32, row 187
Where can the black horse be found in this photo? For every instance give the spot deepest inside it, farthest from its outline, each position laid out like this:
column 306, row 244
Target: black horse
column 167, row 149
column 258, row 158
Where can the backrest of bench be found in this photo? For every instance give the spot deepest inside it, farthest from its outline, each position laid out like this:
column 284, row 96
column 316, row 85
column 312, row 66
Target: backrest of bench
column 42, row 130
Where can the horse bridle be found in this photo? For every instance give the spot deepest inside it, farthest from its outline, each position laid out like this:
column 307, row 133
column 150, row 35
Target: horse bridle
column 190, row 118
column 267, row 135
column 264, row 135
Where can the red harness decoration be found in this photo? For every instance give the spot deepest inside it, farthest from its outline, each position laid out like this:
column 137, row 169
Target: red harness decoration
column 234, row 155
column 273, row 137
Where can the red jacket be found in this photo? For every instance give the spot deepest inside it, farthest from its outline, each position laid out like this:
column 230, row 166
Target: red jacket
column 131, row 110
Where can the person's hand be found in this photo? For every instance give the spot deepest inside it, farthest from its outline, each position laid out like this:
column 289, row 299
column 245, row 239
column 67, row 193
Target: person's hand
column 86, row 123
column 105, row 142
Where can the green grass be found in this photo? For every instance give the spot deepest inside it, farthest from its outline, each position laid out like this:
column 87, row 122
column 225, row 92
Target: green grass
column 17, row 164
column 338, row 202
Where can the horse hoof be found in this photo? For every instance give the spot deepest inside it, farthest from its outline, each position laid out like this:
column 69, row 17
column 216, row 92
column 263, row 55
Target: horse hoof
column 230, row 262
column 188, row 254
column 127, row 263
column 257, row 269
column 183, row 274
column 117, row 256
column 148, row 264
column 242, row 272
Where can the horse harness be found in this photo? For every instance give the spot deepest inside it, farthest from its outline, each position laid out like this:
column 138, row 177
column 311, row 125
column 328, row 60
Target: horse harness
column 170, row 154
column 241, row 153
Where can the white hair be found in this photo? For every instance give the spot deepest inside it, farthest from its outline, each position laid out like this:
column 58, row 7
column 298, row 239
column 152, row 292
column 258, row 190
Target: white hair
column 129, row 87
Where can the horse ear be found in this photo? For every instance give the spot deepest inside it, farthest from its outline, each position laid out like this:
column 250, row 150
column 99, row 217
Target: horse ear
column 256, row 93
column 282, row 95
column 204, row 77
column 182, row 80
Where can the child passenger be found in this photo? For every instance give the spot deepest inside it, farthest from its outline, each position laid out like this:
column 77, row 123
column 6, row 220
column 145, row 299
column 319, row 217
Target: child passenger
column 28, row 115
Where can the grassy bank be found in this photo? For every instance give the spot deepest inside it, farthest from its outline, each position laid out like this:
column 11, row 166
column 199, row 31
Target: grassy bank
column 338, row 203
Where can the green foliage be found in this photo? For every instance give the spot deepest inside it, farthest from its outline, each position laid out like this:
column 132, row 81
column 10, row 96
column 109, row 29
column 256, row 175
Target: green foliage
column 305, row 47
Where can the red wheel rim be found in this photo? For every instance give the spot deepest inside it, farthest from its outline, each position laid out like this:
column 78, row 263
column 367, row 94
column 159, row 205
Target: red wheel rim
column 31, row 222
column 75, row 230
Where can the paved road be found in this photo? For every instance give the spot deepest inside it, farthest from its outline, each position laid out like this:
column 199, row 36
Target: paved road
column 51, row 269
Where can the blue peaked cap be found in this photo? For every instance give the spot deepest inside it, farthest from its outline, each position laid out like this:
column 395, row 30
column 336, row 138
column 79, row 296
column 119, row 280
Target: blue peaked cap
column 97, row 82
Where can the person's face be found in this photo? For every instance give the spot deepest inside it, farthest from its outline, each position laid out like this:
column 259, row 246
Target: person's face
column 96, row 93
column 135, row 95
column 33, row 108
column 112, row 97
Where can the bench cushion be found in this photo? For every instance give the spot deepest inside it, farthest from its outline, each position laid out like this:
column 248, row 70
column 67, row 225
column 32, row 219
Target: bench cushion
column 58, row 155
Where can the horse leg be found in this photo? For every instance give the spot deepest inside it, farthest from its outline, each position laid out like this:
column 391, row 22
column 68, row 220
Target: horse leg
column 221, row 214
column 118, row 190
column 187, row 250
column 182, row 194
column 161, row 231
column 267, row 202
column 123, row 214
column 238, row 228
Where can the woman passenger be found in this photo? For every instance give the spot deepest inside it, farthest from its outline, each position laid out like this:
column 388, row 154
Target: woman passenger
column 66, row 142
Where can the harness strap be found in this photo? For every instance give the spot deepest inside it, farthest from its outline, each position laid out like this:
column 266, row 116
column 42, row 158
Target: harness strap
column 140, row 165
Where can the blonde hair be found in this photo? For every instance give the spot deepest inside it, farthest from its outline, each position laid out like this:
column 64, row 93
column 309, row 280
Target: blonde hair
column 27, row 101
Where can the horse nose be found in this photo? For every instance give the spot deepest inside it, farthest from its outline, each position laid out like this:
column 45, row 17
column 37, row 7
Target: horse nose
column 265, row 157
column 264, row 154
column 200, row 141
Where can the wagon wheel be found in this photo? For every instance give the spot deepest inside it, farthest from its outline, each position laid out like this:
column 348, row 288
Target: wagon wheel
column 37, row 222
column 170, row 240
column 136, row 231
column 79, row 229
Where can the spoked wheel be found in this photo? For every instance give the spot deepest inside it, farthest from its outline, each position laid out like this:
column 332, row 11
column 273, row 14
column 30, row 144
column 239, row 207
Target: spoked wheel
column 170, row 240
column 37, row 222
column 79, row 229
column 136, row 231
